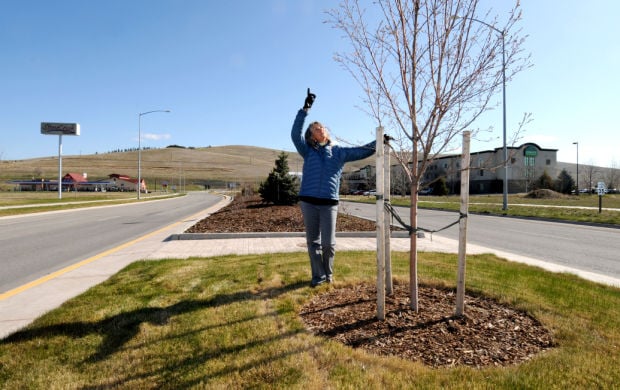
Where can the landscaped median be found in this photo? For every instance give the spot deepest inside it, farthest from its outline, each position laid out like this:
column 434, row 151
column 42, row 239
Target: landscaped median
column 234, row 322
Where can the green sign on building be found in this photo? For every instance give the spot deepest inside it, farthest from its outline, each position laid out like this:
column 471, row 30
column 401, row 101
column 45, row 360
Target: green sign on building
column 530, row 151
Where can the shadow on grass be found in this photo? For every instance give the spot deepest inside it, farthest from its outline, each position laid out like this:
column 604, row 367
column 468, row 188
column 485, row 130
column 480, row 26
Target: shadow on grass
column 121, row 328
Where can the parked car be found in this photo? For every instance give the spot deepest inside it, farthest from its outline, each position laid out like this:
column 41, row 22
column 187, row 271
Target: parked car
column 425, row 191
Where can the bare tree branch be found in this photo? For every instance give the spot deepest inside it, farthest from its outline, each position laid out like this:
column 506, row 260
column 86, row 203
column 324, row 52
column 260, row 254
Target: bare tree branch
column 428, row 70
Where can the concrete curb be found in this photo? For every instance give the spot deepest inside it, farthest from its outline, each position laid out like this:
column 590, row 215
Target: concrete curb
column 216, row 236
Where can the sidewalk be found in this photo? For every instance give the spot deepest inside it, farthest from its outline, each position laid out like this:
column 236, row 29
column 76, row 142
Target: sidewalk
column 19, row 307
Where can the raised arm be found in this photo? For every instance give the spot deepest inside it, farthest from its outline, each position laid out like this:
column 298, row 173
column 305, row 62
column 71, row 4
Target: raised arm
column 298, row 125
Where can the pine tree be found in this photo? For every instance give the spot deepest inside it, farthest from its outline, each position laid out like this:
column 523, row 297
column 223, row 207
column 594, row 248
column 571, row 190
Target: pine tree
column 280, row 187
column 440, row 187
column 544, row 182
column 565, row 182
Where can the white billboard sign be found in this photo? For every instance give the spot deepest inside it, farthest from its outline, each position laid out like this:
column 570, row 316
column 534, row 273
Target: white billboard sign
column 60, row 128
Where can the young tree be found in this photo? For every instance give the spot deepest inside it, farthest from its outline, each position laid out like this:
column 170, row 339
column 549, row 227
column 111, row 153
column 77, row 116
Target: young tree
column 591, row 174
column 280, row 187
column 428, row 69
column 612, row 177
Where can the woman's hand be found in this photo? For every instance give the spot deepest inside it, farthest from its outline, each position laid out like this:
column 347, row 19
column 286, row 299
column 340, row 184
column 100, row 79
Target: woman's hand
column 309, row 100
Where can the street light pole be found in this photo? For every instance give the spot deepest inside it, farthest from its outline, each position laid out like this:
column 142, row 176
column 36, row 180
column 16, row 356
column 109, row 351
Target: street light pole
column 140, row 147
column 505, row 195
column 502, row 33
column 577, row 185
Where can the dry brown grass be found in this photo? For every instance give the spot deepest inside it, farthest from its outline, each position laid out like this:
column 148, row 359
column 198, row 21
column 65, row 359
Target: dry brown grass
column 227, row 163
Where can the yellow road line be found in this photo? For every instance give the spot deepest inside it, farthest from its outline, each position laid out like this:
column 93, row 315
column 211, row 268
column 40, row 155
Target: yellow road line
column 72, row 267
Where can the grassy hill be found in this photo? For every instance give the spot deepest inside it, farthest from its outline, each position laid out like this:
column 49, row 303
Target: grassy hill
column 235, row 163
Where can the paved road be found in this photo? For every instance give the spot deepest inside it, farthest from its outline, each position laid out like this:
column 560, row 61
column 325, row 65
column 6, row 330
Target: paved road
column 35, row 245
column 589, row 248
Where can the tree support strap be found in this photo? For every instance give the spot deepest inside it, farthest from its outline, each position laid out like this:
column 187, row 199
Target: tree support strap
column 411, row 230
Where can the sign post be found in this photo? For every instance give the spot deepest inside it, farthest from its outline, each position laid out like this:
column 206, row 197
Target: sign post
column 601, row 191
column 60, row 129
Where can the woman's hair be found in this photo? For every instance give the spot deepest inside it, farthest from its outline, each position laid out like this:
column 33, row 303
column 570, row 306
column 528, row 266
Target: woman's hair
column 308, row 134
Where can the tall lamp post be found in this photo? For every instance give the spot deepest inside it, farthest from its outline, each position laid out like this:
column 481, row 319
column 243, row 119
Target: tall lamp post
column 140, row 146
column 502, row 33
column 577, row 185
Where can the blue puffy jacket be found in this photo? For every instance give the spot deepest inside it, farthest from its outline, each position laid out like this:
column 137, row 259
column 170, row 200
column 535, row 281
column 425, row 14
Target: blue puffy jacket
column 323, row 164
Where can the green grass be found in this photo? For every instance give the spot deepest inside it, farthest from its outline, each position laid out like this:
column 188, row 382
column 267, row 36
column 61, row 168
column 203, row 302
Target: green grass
column 232, row 322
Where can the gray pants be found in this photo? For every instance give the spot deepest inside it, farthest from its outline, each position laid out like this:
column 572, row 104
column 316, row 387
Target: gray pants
column 320, row 222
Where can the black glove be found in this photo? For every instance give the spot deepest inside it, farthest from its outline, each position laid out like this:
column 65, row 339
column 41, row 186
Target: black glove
column 387, row 139
column 309, row 100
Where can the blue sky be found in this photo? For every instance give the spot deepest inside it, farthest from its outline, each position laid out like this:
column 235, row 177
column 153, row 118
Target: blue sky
column 235, row 73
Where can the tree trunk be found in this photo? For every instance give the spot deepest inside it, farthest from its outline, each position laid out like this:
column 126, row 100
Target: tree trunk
column 413, row 250
column 413, row 254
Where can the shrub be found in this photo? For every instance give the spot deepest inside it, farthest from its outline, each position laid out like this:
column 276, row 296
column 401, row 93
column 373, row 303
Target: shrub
column 280, row 187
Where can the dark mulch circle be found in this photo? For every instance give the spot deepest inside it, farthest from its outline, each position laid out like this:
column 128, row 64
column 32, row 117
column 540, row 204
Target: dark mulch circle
column 489, row 334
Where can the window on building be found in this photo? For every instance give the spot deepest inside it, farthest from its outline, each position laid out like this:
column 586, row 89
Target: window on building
column 548, row 162
column 482, row 172
column 529, row 162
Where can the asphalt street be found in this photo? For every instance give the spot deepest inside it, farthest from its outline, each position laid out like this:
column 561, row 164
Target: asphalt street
column 590, row 248
column 34, row 245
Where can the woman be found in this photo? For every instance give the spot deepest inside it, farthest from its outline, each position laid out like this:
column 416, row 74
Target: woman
column 320, row 184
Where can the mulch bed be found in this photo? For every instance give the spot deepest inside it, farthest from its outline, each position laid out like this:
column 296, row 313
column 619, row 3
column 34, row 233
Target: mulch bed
column 250, row 214
column 489, row 334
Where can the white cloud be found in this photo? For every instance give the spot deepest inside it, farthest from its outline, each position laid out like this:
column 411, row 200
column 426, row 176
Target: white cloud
column 542, row 140
column 156, row 137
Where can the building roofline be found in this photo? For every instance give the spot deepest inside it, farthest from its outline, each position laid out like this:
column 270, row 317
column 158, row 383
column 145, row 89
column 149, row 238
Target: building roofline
column 497, row 149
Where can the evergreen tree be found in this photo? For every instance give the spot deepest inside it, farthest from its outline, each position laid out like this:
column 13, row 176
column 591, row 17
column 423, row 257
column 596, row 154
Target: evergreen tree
column 440, row 187
column 280, row 187
column 564, row 183
column 544, row 182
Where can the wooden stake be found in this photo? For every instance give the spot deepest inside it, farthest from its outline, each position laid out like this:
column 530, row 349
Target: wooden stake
column 460, row 286
column 389, row 287
column 380, row 227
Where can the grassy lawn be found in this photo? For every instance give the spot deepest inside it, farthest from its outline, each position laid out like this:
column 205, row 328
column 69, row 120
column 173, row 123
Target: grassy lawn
column 232, row 322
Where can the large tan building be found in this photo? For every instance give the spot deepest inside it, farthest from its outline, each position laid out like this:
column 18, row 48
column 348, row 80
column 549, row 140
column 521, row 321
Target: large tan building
column 526, row 163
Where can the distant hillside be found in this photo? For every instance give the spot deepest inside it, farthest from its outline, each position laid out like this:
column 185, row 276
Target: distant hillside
column 236, row 163
column 590, row 175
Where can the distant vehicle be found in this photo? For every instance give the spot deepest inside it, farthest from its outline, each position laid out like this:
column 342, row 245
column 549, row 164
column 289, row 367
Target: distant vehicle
column 425, row 191
column 370, row 192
